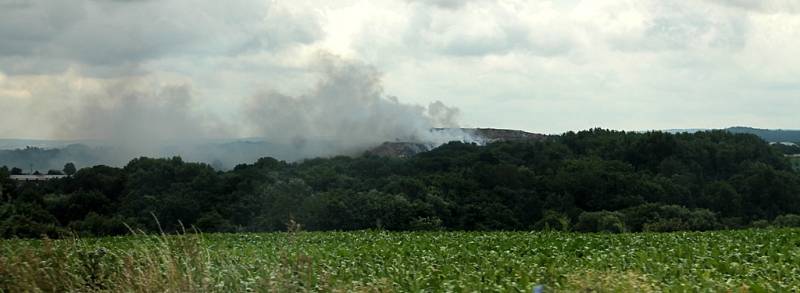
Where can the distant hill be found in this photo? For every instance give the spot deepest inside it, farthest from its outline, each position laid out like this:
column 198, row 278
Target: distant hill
column 12, row 144
column 223, row 154
column 770, row 135
column 54, row 157
column 44, row 155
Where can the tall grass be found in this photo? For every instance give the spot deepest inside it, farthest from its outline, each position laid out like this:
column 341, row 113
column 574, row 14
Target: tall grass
column 184, row 262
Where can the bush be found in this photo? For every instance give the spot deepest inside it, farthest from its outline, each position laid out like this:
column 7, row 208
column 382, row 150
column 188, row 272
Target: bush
column 702, row 220
column 95, row 224
column 667, row 218
column 788, row 220
column 760, row 224
column 553, row 221
column 213, row 222
column 603, row 221
column 27, row 220
column 666, row 225
column 426, row 224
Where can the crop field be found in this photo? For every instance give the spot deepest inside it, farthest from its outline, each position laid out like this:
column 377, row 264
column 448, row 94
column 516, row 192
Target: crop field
column 373, row 261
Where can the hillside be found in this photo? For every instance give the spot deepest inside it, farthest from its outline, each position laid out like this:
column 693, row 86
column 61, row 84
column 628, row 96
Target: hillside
column 403, row 149
column 494, row 135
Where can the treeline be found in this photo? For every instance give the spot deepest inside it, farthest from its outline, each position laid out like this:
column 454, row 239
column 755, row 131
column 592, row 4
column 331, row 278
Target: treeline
column 44, row 159
column 788, row 149
column 596, row 180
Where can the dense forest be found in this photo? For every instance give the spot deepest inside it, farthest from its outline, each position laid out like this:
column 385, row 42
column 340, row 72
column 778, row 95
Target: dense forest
column 595, row 180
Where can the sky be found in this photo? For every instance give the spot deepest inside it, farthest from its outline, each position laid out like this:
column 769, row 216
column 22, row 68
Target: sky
column 141, row 70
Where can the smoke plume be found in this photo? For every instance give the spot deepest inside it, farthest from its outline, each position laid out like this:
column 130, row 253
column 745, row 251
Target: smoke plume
column 344, row 113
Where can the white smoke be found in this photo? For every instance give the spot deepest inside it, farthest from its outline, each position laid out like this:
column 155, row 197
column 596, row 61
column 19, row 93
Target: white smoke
column 345, row 113
column 348, row 110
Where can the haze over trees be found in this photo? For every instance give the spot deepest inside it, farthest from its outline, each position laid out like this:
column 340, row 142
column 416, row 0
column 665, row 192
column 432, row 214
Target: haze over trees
column 595, row 180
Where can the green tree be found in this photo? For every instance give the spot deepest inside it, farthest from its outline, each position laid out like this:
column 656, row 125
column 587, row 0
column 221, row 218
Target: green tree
column 70, row 169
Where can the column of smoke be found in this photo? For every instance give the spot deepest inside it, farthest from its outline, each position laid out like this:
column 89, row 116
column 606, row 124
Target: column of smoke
column 345, row 113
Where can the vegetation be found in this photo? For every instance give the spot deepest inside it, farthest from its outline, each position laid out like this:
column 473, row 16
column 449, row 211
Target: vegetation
column 795, row 163
column 375, row 261
column 788, row 149
column 595, row 180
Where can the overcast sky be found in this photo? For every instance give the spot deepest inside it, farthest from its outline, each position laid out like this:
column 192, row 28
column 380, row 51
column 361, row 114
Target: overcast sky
column 541, row 66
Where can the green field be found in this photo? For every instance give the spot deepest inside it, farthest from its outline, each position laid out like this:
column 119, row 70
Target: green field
column 751, row 260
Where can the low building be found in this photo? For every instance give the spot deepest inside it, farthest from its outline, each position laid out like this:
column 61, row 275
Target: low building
column 26, row 178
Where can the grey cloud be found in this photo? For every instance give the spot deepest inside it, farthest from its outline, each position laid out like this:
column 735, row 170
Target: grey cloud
column 674, row 33
column 678, row 27
column 283, row 27
column 509, row 39
column 100, row 35
column 26, row 28
column 510, row 33
column 501, row 43
column 15, row 4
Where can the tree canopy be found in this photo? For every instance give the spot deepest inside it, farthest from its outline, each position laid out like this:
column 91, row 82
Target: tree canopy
column 594, row 181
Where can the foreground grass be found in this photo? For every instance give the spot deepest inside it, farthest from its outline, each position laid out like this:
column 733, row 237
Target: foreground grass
column 737, row 261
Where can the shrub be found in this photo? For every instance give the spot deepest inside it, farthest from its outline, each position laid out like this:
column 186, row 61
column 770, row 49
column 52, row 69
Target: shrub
column 666, row 218
column 603, row 221
column 426, row 224
column 27, row 221
column 213, row 222
column 553, row 221
column 666, row 225
column 95, row 224
column 788, row 220
column 760, row 224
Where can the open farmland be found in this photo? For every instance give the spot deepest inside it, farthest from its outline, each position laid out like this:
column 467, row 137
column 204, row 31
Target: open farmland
column 747, row 260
